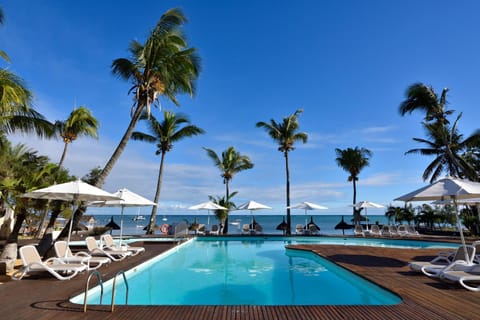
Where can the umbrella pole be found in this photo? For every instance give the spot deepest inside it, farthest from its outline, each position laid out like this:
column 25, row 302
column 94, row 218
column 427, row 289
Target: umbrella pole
column 366, row 217
column 121, row 226
column 70, row 227
column 459, row 225
column 208, row 218
column 305, row 218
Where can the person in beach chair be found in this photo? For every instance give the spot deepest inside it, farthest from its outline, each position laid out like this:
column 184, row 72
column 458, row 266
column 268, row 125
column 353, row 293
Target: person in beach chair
column 95, row 250
column 32, row 263
column 64, row 253
column 107, row 242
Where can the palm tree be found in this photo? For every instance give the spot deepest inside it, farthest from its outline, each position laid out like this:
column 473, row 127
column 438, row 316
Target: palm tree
column 450, row 157
column 423, row 98
column 16, row 115
column 222, row 215
column 2, row 53
column 162, row 66
column 229, row 164
column 353, row 161
column 285, row 133
column 173, row 128
column 80, row 122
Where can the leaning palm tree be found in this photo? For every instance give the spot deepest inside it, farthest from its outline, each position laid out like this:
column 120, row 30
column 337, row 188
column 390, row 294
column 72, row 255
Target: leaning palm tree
column 229, row 164
column 162, row 66
column 449, row 158
column 353, row 161
column 285, row 133
column 80, row 122
column 173, row 128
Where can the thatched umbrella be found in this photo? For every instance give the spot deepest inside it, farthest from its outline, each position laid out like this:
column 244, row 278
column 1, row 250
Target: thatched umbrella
column 112, row 225
column 283, row 226
column 312, row 224
column 342, row 225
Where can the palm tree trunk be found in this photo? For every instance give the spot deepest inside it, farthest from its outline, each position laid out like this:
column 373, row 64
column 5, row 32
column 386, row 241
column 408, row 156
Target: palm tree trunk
column 227, row 195
column 355, row 214
column 289, row 220
column 62, row 158
column 120, row 148
column 153, row 216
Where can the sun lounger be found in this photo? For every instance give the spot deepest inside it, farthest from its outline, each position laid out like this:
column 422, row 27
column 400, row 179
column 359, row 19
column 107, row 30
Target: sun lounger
column 393, row 231
column 32, row 263
column 313, row 229
column 95, row 250
column 64, row 253
column 466, row 277
column 459, row 262
column 443, row 259
column 258, row 229
column 299, row 229
column 402, row 230
column 181, row 230
column 412, row 232
column 246, row 229
column 215, row 230
column 375, row 230
column 107, row 241
column 358, row 231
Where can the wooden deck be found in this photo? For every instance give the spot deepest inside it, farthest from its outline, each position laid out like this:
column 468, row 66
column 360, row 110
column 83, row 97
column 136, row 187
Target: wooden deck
column 423, row 298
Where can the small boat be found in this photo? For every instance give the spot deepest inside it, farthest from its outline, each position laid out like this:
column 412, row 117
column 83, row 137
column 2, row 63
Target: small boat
column 236, row 222
column 138, row 217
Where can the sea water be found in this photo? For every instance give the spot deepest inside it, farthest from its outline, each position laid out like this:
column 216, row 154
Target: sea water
column 269, row 222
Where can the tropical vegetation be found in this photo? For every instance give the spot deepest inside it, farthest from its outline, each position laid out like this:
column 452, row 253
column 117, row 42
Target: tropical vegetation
column 163, row 66
column 285, row 134
column 229, row 163
column 173, row 128
column 353, row 160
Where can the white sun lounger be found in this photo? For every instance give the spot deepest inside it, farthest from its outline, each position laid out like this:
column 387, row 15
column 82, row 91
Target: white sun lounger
column 64, row 253
column 469, row 278
column 32, row 263
column 108, row 242
column 95, row 250
column 459, row 262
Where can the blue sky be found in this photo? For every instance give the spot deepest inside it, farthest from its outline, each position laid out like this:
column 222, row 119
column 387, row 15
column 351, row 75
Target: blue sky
column 346, row 63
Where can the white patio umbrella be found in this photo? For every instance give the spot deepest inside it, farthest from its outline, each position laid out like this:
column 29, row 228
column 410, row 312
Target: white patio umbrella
column 252, row 205
column 207, row 206
column 367, row 204
column 448, row 188
column 308, row 206
column 75, row 191
column 127, row 198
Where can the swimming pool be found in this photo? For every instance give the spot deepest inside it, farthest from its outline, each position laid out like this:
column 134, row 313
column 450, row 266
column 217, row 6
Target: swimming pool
column 255, row 271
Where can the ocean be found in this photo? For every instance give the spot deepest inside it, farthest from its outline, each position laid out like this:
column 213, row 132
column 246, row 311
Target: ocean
column 269, row 222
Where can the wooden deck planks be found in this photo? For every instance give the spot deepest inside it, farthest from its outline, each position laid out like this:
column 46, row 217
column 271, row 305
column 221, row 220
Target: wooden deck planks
column 423, row 298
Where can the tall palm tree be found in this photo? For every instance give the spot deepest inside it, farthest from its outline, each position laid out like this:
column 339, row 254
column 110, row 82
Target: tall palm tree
column 285, row 133
column 80, row 122
column 421, row 97
column 173, row 128
column 231, row 163
column 450, row 157
column 353, row 161
column 162, row 66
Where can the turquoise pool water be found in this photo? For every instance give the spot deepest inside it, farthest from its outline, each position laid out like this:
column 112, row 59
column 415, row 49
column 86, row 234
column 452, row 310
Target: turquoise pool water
column 219, row 271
